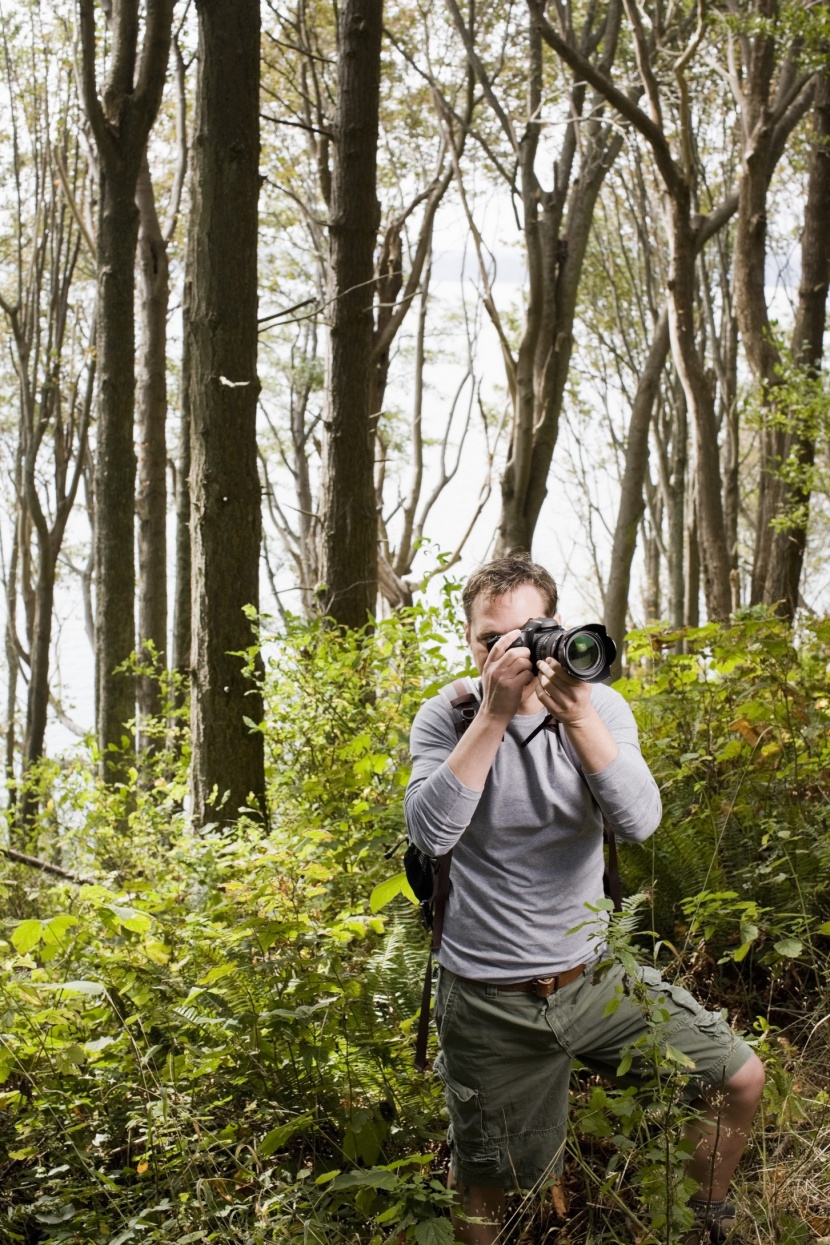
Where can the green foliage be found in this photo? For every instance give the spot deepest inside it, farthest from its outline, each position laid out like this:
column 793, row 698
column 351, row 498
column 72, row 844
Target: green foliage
column 212, row 1040
column 736, row 736
column 190, row 1039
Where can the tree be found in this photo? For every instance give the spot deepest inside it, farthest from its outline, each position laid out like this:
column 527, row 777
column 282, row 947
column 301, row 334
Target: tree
column 228, row 760
column 677, row 170
column 120, row 119
column 349, row 526
column 55, row 371
column 151, row 493
column 773, row 91
column 556, row 225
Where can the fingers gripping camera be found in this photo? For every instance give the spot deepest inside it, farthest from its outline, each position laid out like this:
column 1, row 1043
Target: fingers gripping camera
column 585, row 653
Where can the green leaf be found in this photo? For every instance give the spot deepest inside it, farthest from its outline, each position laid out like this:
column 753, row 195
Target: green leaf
column 375, row 1178
column 72, row 987
column 54, row 930
column 679, row 1057
column 131, row 918
column 824, row 928
column 386, row 891
column 624, row 1064
column 276, row 1139
column 434, row 1232
column 27, row 935
column 789, row 947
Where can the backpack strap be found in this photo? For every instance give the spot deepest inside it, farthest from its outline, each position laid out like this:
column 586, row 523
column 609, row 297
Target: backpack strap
column 464, row 705
column 440, row 891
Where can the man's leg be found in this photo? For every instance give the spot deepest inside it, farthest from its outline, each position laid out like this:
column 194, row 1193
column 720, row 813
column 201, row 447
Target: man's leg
column 723, row 1128
column 478, row 1219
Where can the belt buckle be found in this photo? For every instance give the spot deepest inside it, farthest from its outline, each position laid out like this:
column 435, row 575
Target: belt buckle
column 543, row 987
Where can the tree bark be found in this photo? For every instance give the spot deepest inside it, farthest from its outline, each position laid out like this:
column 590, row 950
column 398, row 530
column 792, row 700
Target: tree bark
column 151, row 495
column 228, row 756
column 182, row 607
column 349, row 520
column 120, row 123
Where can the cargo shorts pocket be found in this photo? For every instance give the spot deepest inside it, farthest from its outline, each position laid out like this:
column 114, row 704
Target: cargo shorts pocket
column 684, row 1009
column 466, row 1136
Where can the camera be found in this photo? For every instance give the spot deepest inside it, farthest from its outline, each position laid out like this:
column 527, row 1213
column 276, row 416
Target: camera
column 585, row 653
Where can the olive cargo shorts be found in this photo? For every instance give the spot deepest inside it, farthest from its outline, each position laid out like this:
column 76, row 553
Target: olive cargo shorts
column 506, row 1056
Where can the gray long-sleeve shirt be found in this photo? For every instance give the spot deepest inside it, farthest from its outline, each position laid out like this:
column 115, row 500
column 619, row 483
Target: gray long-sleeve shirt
column 527, row 850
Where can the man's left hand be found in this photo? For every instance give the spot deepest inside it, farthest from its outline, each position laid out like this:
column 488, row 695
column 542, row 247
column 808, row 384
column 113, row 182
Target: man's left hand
column 568, row 699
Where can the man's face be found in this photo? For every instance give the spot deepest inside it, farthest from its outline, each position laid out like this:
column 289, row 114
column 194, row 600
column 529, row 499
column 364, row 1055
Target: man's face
column 493, row 616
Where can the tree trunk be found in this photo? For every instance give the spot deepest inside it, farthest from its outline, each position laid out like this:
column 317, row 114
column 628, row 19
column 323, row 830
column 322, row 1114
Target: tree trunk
column 556, row 240
column 115, row 464
column 714, row 554
column 692, row 603
column 228, row 755
column 151, row 496
column 631, row 504
column 676, row 505
column 120, row 122
column 349, row 520
column 38, row 695
column 787, row 546
column 182, row 609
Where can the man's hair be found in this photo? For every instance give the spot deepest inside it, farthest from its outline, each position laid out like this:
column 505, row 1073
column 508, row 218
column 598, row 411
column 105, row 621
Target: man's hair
column 504, row 575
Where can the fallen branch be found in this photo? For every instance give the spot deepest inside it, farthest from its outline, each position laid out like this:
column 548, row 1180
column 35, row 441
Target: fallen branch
column 34, row 862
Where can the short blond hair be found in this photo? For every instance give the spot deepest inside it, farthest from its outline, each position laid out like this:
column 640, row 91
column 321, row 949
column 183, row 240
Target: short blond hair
column 504, row 575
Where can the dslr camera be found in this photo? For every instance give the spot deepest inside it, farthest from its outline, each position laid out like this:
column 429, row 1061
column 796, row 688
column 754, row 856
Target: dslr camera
column 586, row 653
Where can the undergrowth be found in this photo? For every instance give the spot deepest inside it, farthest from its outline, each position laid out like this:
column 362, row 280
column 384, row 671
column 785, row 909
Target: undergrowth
column 210, row 1037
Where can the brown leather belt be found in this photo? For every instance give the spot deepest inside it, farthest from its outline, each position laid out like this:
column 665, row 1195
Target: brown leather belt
column 542, row 987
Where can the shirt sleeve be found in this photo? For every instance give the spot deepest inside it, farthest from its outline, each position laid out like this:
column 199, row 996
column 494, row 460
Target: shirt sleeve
column 437, row 806
column 625, row 790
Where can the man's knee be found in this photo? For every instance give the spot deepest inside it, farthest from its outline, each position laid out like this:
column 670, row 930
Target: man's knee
column 747, row 1084
column 740, row 1095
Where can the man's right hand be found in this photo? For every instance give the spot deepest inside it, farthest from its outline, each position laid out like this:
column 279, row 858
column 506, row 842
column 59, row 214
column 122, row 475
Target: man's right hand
column 505, row 675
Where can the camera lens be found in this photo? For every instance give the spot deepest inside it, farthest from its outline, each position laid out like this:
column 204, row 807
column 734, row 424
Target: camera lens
column 583, row 653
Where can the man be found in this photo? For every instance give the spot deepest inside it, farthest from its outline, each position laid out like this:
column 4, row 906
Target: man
column 517, row 997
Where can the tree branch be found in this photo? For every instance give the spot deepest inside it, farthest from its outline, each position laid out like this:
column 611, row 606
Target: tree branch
column 626, row 107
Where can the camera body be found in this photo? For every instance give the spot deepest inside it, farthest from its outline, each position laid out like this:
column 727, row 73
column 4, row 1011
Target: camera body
column 585, row 653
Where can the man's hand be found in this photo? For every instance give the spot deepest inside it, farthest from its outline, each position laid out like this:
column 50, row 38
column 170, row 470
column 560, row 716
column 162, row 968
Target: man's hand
column 504, row 676
column 569, row 700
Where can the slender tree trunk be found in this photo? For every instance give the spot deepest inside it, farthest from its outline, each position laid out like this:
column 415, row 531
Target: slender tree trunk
column 115, row 467
column 631, row 504
column 38, row 695
column 692, row 603
column 12, row 654
column 712, row 529
column 652, row 592
column 228, row 756
column 182, row 607
column 557, row 225
column 676, row 505
column 349, row 520
column 151, row 496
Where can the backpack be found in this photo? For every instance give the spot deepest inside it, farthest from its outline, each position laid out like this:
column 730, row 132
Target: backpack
column 429, row 876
